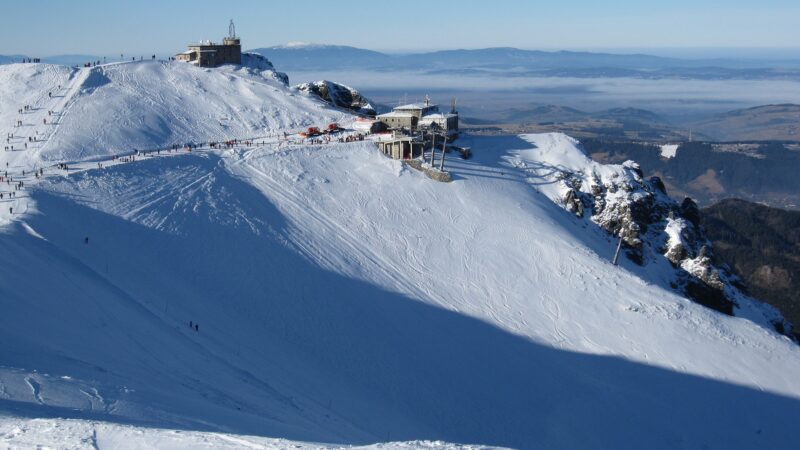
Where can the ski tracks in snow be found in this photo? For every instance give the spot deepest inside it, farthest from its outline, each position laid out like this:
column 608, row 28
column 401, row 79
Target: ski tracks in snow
column 36, row 389
column 307, row 216
column 96, row 401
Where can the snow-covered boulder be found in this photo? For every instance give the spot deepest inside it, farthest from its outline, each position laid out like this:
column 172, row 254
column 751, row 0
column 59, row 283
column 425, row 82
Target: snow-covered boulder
column 264, row 67
column 339, row 95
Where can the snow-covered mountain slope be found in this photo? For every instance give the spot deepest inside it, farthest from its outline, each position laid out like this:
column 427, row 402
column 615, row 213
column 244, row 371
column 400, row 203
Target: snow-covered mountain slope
column 33, row 85
column 339, row 296
column 116, row 108
column 18, row 433
column 655, row 229
column 344, row 298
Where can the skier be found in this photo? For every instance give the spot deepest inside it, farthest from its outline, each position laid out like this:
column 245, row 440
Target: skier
column 197, row 328
column 86, row 240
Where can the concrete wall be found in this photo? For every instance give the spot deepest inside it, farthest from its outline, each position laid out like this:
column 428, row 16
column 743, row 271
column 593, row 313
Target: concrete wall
column 400, row 149
column 214, row 55
column 418, row 113
column 452, row 123
column 399, row 122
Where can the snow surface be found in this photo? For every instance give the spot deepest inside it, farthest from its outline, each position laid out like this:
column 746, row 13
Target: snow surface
column 116, row 108
column 669, row 150
column 83, row 434
column 342, row 297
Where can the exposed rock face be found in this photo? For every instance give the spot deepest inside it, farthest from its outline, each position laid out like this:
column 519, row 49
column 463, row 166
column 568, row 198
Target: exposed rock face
column 624, row 204
column 652, row 226
column 648, row 221
column 338, row 95
column 690, row 211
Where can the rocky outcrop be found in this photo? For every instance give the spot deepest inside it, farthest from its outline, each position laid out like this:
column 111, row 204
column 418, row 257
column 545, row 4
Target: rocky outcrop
column 624, row 204
column 257, row 63
column 652, row 226
column 338, row 95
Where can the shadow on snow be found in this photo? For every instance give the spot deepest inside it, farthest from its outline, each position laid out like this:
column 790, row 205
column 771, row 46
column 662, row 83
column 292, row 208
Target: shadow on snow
column 287, row 349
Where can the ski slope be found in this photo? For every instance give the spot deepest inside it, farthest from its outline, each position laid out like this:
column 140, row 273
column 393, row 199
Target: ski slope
column 344, row 298
column 117, row 108
column 79, row 434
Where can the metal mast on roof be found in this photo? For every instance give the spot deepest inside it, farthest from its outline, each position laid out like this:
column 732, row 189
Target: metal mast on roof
column 232, row 30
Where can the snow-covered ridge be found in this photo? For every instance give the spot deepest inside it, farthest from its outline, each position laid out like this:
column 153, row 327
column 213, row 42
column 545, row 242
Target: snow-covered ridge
column 652, row 225
column 296, row 45
column 116, row 108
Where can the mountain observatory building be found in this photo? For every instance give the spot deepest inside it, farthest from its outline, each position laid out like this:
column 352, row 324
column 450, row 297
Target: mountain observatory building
column 209, row 54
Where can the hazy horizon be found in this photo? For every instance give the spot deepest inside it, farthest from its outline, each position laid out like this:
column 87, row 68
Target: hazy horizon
column 743, row 53
column 102, row 28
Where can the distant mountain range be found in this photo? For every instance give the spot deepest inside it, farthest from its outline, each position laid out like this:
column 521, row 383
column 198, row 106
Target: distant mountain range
column 320, row 57
column 769, row 122
column 502, row 61
column 558, row 114
column 72, row 60
column 65, row 60
column 8, row 59
column 760, row 123
column 708, row 172
column 507, row 61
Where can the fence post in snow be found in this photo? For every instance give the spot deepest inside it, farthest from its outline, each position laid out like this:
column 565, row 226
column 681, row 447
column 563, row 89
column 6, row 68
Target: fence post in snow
column 616, row 254
column 433, row 148
column 444, row 148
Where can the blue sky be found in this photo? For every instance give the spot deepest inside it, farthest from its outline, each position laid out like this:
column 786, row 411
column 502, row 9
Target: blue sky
column 43, row 28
